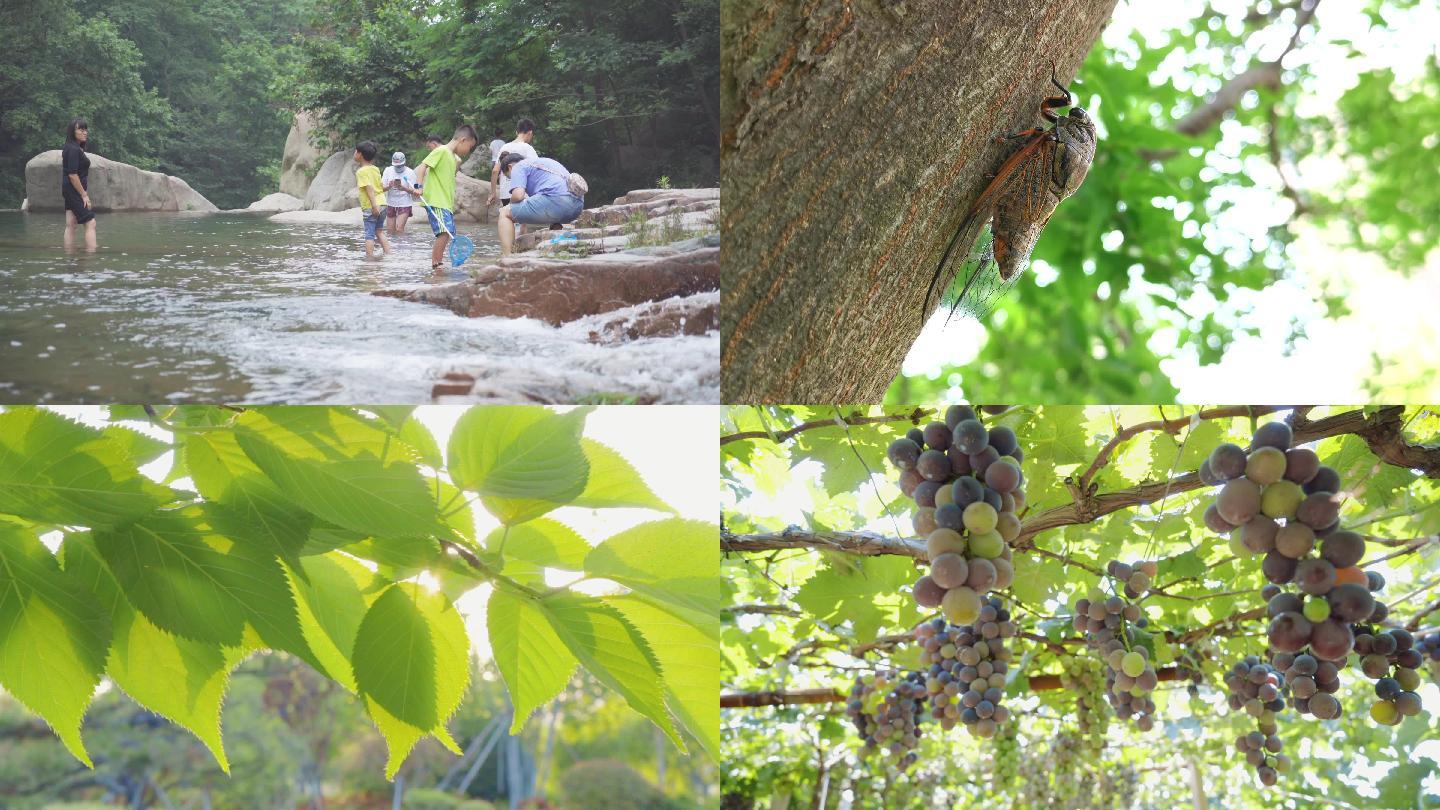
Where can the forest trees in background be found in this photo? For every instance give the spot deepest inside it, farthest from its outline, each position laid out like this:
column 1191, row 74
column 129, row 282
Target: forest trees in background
column 624, row 91
column 184, row 88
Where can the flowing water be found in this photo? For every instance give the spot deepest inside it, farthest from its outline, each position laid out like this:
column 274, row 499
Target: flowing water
column 237, row 308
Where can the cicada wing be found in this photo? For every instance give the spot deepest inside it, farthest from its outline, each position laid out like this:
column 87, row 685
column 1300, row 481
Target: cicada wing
column 977, row 286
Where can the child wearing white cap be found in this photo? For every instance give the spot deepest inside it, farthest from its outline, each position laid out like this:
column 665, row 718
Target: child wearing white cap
column 399, row 182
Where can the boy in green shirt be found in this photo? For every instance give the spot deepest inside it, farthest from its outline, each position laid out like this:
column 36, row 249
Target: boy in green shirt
column 367, row 177
column 436, row 180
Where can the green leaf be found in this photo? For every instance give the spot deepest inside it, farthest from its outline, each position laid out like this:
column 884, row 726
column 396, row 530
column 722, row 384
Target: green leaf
column 141, row 449
column 262, row 515
column 834, row 595
column 612, row 650
column 58, row 471
column 394, row 659
column 53, row 636
column 448, row 663
column 690, row 659
column 180, row 679
column 361, row 494
column 332, row 601
column 415, row 434
column 676, row 562
column 614, row 482
column 542, row 542
column 189, row 580
column 523, row 461
column 529, row 653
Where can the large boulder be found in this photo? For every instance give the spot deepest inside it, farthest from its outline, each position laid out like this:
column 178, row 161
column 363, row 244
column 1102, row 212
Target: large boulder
column 558, row 291
column 334, row 187
column 298, row 164
column 470, row 197
column 113, row 186
column 277, row 202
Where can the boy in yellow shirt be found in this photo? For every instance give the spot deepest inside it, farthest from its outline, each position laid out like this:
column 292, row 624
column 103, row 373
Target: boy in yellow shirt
column 436, row 180
column 372, row 195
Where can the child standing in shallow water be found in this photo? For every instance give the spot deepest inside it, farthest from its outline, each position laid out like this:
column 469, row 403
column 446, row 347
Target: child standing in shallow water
column 437, row 187
column 367, row 177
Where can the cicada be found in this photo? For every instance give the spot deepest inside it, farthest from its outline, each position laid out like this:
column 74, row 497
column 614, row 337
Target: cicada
column 1047, row 166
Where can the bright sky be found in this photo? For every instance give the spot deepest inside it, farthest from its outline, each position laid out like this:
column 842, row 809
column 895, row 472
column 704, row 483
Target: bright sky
column 672, row 447
column 1391, row 315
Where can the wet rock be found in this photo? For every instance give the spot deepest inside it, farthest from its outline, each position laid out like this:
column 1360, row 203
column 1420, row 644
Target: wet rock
column 470, row 195
column 650, row 203
column 558, row 291
column 113, row 186
column 690, row 315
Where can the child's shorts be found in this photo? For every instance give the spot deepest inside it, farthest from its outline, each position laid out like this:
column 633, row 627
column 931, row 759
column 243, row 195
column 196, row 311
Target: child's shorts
column 435, row 223
column 374, row 221
column 396, row 211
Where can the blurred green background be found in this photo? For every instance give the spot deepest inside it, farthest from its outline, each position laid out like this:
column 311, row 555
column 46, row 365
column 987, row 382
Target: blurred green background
column 1284, row 248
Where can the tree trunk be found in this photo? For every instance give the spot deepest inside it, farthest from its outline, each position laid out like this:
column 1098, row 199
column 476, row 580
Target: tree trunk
column 856, row 135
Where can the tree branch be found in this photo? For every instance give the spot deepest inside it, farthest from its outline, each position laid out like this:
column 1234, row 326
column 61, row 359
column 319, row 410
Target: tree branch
column 800, row 697
column 914, row 417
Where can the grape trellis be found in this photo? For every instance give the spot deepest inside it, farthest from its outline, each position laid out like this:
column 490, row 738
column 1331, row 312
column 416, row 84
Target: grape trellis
column 1124, row 597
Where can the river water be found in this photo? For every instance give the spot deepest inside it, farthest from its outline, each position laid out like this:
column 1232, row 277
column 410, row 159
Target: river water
column 237, row 308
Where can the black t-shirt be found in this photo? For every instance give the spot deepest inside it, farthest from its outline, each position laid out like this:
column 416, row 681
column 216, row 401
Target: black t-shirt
column 73, row 160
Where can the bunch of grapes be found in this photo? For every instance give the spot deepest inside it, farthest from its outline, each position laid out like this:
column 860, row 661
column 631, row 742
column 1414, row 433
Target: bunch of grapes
column 1187, row 668
column 1390, row 658
column 1084, row 677
column 1067, row 777
column 1259, row 689
column 1004, row 754
column 886, row 708
column 967, row 665
column 1282, row 502
column 966, row 483
column 1112, row 628
column 1429, row 646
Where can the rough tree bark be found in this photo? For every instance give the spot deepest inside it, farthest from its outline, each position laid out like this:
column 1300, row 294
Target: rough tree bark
column 856, row 134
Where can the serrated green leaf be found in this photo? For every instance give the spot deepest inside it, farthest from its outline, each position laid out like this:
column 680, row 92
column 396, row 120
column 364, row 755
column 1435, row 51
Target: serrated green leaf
column 188, row 579
column 674, row 561
column 614, row 482
column 690, row 660
column 331, row 602
column 361, row 494
column 449, row 669
column 530, row 655
column 53, row 637
column 394, row 659
column 613, row 651
column 836, row 596
column 58, row 471
column 182, row 680
column 541, row 542
column 523, row 461
column 141, row 449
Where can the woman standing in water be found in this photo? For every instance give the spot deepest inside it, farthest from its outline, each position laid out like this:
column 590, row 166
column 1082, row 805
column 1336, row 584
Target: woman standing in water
column 75, row 182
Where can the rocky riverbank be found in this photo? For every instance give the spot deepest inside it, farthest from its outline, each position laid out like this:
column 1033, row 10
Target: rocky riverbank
column 644, row 268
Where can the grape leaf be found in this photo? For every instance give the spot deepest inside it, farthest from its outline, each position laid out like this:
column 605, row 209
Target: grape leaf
column 53, row 636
